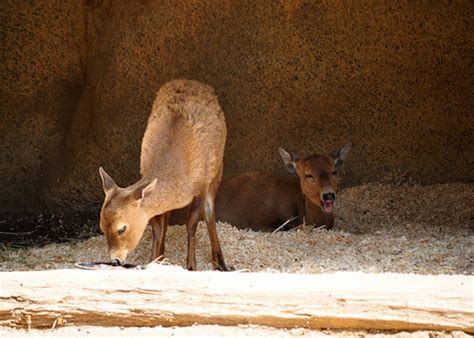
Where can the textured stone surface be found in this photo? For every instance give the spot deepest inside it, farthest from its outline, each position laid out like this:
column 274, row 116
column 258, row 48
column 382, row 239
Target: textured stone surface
column 42, row 76
column 78, row 80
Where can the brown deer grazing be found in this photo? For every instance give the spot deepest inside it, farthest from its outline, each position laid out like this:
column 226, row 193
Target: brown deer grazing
column 181, row 164
column 263, row 202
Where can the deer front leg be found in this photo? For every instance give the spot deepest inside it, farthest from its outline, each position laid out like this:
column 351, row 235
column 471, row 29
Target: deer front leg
column 216, row 251
column 194, row 216
column 159, row 226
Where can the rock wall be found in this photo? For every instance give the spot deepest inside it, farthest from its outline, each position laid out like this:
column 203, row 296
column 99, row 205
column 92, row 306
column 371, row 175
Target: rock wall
column 43, row 75
column 78, row 80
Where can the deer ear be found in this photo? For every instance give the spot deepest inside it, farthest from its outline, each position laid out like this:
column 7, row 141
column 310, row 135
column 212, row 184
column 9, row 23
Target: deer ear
column 147, row 191
column 108, row 183
column 288, row 159
column 340, row 155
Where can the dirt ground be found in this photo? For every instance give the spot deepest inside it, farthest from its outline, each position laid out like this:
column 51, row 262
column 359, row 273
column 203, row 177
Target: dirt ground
column 379, row 228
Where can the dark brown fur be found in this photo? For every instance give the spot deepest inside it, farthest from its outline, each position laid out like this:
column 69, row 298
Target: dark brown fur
column 260, row 201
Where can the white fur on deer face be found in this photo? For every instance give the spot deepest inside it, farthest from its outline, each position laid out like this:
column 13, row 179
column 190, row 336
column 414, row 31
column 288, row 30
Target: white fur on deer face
column 123, row 217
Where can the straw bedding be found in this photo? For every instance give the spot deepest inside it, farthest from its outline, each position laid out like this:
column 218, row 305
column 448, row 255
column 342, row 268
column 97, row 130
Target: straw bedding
column 379, row 228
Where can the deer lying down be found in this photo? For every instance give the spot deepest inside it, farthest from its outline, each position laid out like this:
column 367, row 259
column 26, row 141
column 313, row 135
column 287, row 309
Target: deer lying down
column 263, row 202
column 180, row 164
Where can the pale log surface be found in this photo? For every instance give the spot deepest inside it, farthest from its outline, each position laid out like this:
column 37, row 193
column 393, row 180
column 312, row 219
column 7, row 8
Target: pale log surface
column 169, row 296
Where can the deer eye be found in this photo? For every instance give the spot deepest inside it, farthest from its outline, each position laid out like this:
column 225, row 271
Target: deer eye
column 122, row 230
column 334, row 173
column 310, row 178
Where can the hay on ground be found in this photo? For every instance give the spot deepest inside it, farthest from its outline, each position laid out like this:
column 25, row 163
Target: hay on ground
column 379, row 228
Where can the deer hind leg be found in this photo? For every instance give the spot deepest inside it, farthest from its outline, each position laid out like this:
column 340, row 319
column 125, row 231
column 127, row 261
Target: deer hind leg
column 195, row 214
column 210, row 218
column 159, row 224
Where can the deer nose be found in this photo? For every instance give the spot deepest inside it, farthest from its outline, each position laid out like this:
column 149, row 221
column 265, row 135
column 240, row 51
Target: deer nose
column 329, row 196
column 116, row 261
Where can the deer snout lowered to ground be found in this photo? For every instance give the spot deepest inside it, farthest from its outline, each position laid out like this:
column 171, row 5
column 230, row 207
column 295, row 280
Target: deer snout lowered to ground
column 181, row 164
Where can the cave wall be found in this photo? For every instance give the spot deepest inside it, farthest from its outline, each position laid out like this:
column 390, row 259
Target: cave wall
column 42, row 74
column 79, row 77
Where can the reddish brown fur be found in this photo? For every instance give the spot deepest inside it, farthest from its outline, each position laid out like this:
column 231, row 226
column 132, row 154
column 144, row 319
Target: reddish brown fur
column 181, row 164
column 263, row 202
column 259, row 201
column 317, row 176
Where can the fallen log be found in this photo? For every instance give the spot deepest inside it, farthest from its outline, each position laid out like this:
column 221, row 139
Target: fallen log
column 170, row 296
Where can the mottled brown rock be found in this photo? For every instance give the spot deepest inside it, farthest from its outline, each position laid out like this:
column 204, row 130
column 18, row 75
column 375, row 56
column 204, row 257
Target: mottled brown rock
column 42, row 76
column 79, row 78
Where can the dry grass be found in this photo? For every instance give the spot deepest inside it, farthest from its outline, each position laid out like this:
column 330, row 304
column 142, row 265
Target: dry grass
column 379, row 228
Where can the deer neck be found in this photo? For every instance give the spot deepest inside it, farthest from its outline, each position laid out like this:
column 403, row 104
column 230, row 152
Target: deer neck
column 168, row 195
